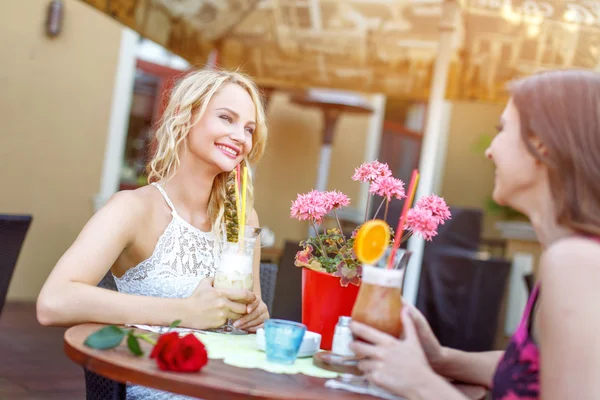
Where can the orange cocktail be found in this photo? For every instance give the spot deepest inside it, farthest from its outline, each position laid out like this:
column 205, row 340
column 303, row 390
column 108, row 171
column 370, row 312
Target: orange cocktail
column 379, row 301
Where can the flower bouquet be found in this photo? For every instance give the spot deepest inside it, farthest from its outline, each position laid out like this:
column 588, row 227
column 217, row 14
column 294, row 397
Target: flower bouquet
column 333, row 253
column 332, row 272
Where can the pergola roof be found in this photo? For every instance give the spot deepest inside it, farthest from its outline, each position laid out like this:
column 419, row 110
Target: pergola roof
column 385, row 46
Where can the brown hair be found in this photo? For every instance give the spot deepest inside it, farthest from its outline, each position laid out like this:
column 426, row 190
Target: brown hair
column 562, row 109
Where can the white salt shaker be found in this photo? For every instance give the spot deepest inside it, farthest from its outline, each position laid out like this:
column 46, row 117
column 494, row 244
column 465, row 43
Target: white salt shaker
column 342, row 337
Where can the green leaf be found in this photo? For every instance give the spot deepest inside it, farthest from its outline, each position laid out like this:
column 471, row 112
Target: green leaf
column 175, row 323
column 134, row 345
column 482, row 143
column 105, row 338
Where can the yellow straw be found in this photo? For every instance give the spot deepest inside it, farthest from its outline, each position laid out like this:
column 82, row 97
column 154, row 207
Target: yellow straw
column 238, row 205
column 243, row 219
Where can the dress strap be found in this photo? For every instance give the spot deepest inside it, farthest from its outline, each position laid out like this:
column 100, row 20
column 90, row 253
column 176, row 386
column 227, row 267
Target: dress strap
column 531, row 302
column 532, row 298
column 164, row 195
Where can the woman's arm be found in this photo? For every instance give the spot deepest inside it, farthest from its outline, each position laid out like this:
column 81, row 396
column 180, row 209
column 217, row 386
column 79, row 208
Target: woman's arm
column 399, row 365
column 475, row 368
column 70, row 295
column 569, row 320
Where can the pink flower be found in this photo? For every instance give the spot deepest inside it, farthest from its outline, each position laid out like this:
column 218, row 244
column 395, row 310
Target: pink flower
column 388, row 187
column 436, row 205
column 337, row 199
column 312, row 206
column 422, row 222
column 368, row 172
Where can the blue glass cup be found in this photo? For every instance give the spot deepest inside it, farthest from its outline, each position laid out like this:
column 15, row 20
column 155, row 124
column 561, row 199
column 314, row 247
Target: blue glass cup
column 283, row 340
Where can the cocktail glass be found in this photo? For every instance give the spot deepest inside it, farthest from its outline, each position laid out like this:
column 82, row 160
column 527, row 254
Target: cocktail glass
column 235, row 270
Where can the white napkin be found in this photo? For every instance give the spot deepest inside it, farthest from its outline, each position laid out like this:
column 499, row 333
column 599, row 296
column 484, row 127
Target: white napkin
column 360, row 386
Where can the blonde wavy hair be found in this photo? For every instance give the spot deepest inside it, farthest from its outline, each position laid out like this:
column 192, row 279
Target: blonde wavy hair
column 187, row 104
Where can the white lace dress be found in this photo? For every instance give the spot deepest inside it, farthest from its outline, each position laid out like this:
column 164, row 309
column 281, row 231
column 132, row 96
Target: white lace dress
column 183, row 256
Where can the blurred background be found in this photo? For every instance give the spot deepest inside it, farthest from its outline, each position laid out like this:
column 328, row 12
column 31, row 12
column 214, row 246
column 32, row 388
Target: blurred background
column 414, row 83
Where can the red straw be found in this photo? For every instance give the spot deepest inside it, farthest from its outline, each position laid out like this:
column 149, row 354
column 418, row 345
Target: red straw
column 400, row 229
column 238, row 175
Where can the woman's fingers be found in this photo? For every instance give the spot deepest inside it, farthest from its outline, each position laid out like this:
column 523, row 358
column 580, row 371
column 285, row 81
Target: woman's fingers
column 370, row 335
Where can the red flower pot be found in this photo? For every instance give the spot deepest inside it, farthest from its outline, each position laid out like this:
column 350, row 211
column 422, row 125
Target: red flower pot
column 324, row 300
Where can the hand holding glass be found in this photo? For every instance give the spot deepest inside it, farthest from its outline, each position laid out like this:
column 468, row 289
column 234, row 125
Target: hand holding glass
column 235, row 270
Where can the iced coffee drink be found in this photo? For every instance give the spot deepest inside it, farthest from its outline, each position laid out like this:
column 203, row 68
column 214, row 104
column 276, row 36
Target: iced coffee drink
column 235, row 269
column 379, row 301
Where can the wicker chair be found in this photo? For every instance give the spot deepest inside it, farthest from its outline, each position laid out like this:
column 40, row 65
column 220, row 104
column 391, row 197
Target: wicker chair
column 98, row 387
column 268, row 279
column 13, row 229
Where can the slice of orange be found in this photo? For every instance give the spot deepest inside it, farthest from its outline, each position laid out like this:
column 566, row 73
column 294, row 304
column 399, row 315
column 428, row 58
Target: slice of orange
column 372, row 239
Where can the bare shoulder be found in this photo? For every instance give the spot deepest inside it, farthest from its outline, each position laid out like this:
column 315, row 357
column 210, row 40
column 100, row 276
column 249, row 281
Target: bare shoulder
column 133, row 205
column 571, row 254
column 570, row 267
column 129, row 202
column 568, row 319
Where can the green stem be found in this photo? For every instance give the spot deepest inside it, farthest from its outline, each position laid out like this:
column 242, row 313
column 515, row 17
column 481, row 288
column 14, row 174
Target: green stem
column 387, row 206
column 323, row 252
column 367, row 210
column 406, row 236
column 339, row 225
column 146, row 338
column 379, row 208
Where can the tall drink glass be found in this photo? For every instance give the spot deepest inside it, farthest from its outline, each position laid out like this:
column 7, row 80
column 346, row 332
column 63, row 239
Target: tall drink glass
column 379, row 301
column 235, row 270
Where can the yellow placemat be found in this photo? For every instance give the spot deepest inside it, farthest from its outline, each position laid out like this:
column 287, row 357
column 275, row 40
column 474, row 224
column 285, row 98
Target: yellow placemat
column 241, row 351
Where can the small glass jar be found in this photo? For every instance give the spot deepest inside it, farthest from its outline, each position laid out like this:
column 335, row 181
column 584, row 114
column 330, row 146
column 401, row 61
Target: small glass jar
column 342, row 337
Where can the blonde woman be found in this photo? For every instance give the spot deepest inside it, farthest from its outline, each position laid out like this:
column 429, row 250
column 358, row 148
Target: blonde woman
column 160, row 241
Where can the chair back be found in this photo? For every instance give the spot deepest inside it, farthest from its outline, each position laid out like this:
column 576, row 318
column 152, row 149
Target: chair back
column 108, row 282
column 463, row 230
column 268, row 281
column 98, row 387
column 461, row 294
column 13, row 229
column 288, row 291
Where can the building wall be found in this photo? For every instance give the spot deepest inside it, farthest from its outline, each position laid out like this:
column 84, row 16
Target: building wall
column 289, row 165
column 54, row 108
column 468, row 179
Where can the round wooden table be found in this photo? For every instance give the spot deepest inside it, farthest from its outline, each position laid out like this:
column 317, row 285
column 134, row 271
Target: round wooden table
column 216, row 380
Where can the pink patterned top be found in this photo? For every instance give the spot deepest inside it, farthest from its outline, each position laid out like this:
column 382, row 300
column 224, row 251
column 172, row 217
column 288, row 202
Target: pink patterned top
column 518, row 374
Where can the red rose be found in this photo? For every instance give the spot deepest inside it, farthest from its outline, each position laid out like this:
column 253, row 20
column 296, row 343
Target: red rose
column 186, row 354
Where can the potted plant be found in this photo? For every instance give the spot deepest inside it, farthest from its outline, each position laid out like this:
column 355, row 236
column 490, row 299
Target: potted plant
column 331, row 272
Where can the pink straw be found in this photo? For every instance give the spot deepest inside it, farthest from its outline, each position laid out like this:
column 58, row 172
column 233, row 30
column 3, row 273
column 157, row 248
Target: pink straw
column 400, row 229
